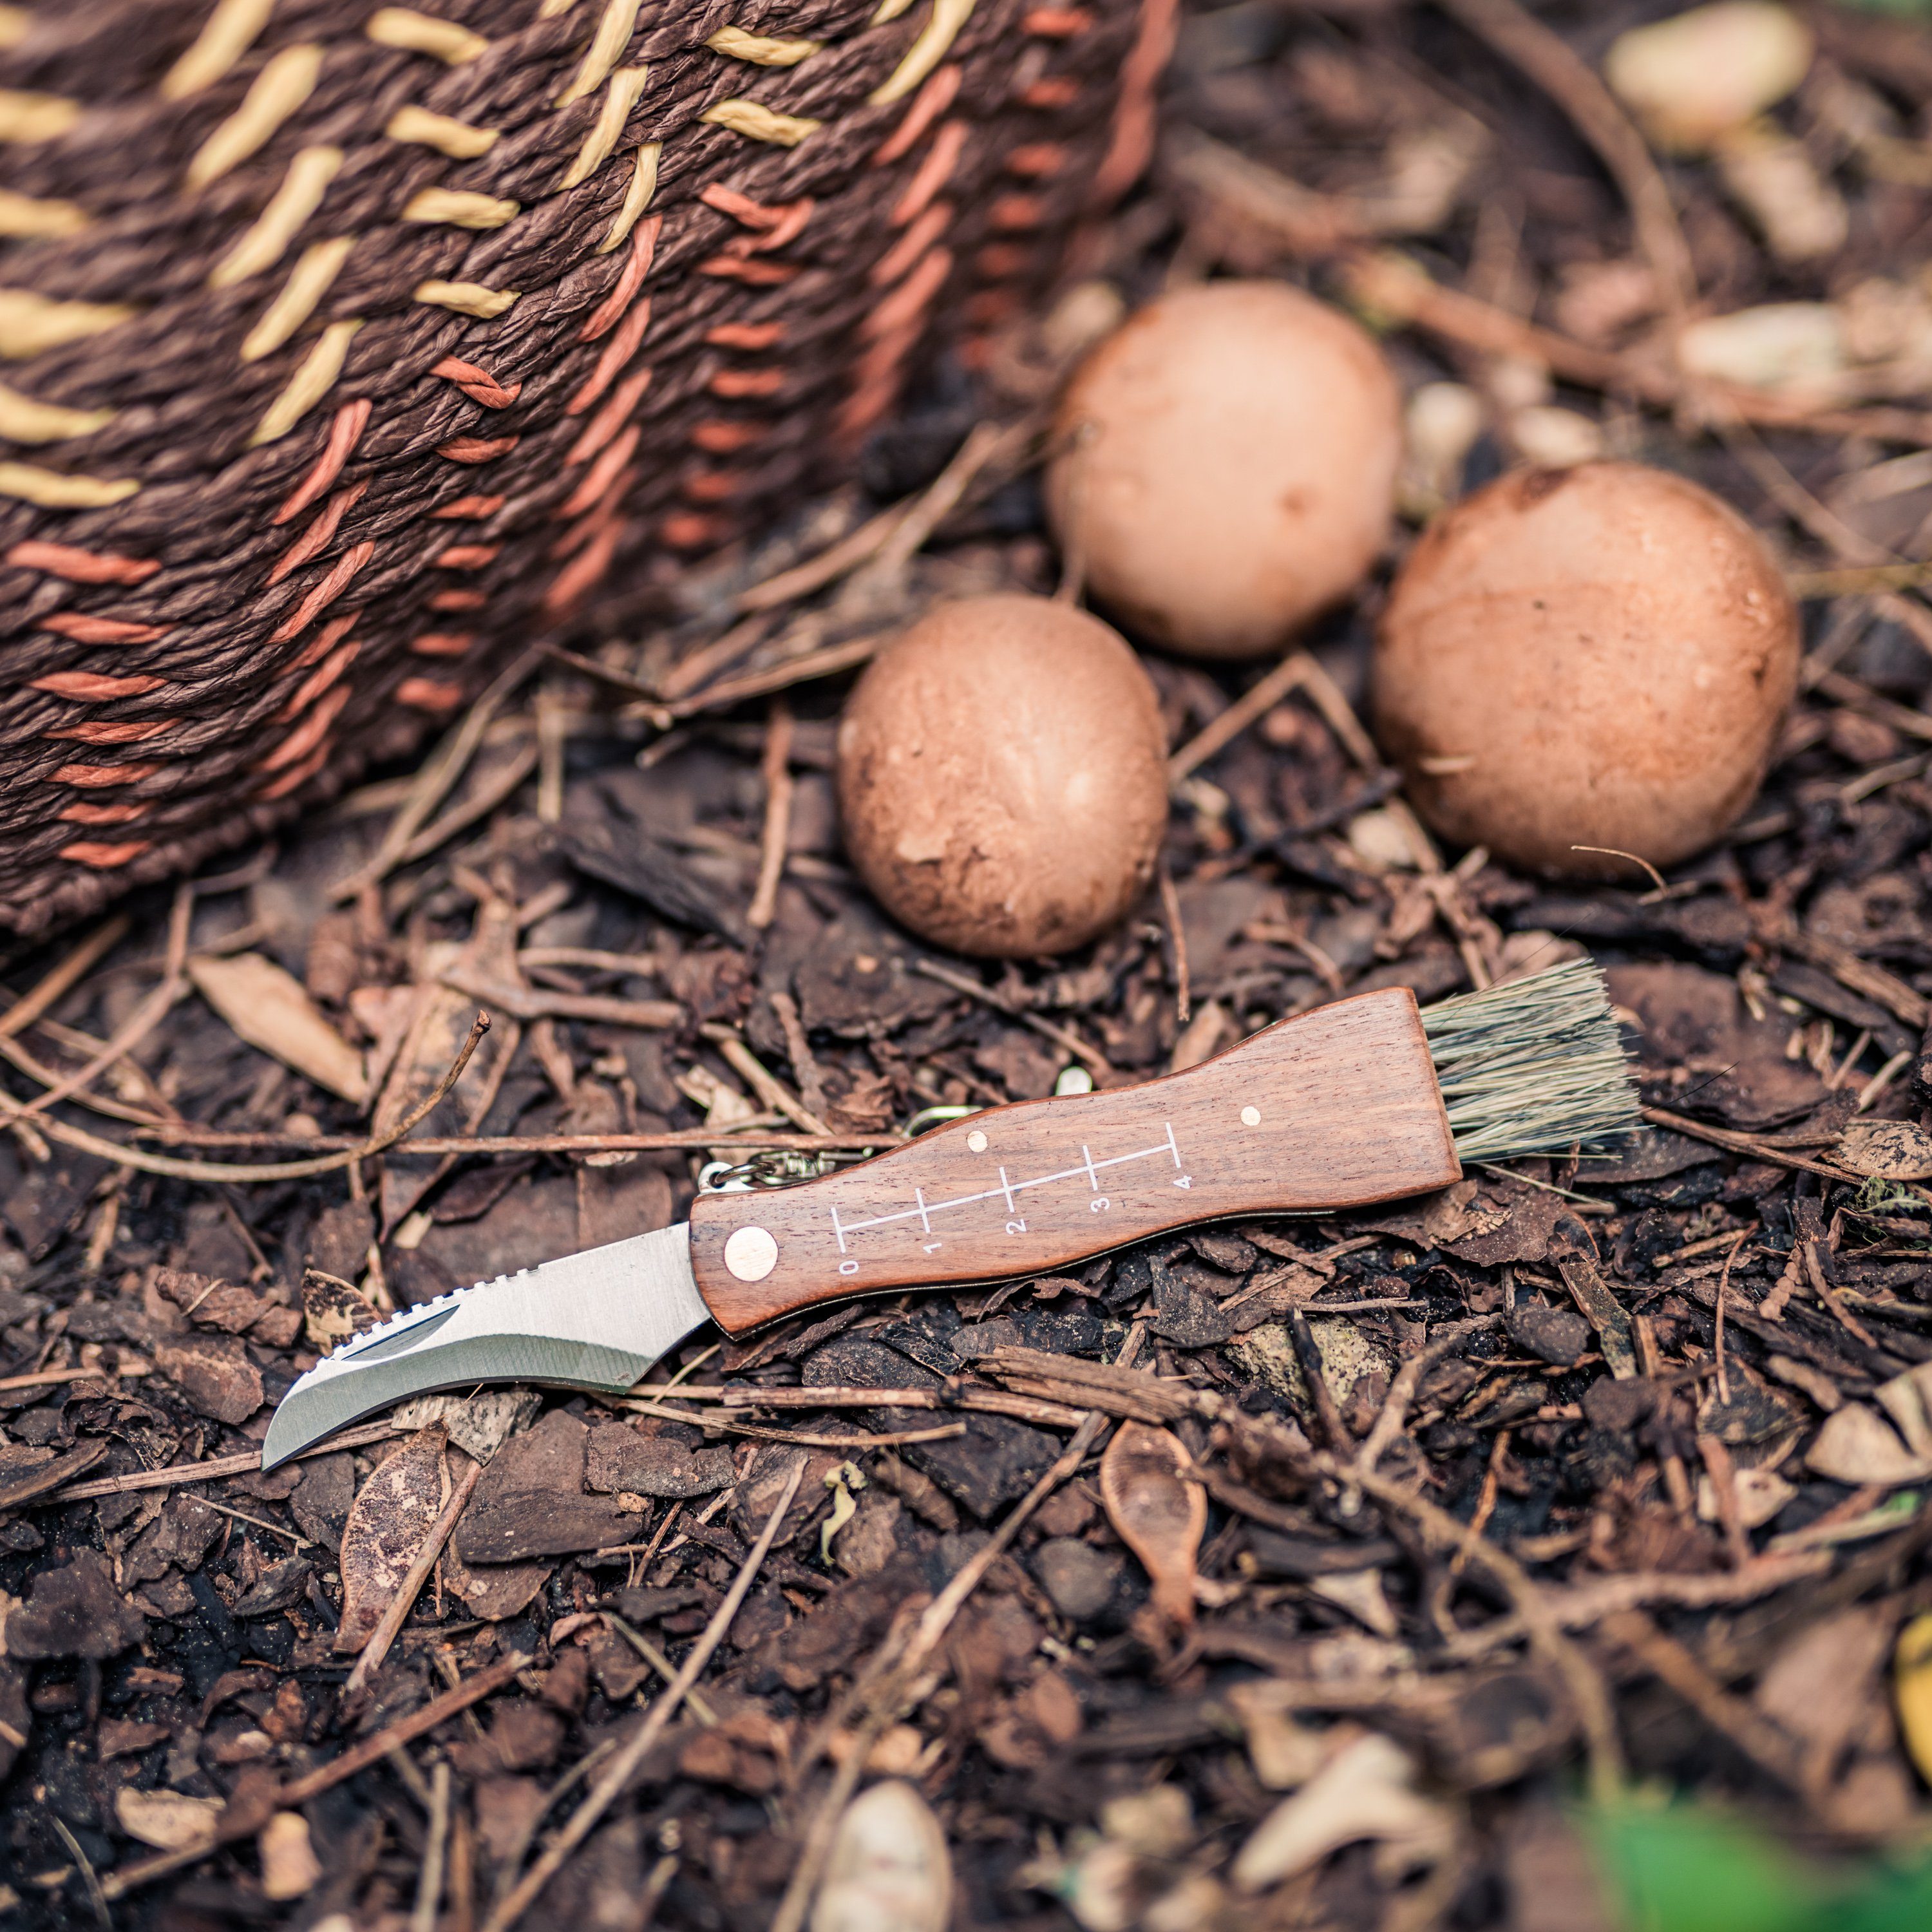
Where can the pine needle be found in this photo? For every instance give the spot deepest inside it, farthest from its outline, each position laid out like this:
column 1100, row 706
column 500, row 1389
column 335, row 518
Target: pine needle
column 1535, row 1065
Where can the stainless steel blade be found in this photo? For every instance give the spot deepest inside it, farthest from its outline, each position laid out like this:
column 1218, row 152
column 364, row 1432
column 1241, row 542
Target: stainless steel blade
column 595, row 1320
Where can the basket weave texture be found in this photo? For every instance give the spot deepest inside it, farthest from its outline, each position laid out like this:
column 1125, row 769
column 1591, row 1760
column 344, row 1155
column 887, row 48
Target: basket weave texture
column 344, row 348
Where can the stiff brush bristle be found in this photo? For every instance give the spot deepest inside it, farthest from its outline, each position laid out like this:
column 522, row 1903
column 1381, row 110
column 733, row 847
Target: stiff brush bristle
column 1533, row 1066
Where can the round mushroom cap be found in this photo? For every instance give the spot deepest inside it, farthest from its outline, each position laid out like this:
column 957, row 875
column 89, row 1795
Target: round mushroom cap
column 1228, row 465
column 1002, row 777
column 1601, row 656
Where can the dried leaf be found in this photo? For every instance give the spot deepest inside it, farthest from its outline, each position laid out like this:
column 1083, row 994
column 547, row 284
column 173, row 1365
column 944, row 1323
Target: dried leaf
column 385, row 1528
column 1912, row 1686
column 271, row 1010
column 1365, row 1791
column 332, row 1310
column 1157, row 1511
column 889, row 1869
column 289, row 1866
column 165, row 1819
column 1886, row 1150
column 1855, row 1446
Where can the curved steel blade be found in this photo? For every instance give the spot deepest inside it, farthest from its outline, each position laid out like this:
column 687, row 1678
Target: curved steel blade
column 595, row 1320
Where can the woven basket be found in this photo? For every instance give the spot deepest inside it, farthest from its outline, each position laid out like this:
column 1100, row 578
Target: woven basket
column 348, row 346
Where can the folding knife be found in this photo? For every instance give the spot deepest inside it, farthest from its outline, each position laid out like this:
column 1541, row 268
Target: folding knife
column 1360, row 1101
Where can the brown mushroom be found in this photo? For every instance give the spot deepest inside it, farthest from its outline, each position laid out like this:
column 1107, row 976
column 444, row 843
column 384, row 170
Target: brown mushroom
column 1595, row 657
column 1227, row 466
column 1002, row 777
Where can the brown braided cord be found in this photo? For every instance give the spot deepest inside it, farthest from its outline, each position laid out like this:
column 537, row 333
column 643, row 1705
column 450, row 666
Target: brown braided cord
column 343, row 348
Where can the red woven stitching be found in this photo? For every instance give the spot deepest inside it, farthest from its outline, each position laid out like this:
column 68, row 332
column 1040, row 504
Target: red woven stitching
column 1052, row 92
column 932, row 173
column 84, row 628
column 467, row 556
column 690, row 529
column 477, row 448
column 928, row 105
column 479, row 384
column 443, row 643
column 468, row 506
column 605, row 424
column 319, row 681
column 601, row 472
column 103, row 858
column 734, row 385
column 604, row 317
column 721, row 435
column 91, row 684
column 308, row 733
column 1037, row 160
column 322, row 594
column 745, row 335
column 1057, row 23
column 1133, row 143
column 582, row 572
column 80, row 566
column 617, row 352
column 324, row 641
column 315, row 537
column 345, row 432
column 428, row 694
column 104, row 814
column 753, row 274
column 712, row 486
column 94, row 776
column 906, row 302
column 912, row 245
column 290, row 781
column 458, row 600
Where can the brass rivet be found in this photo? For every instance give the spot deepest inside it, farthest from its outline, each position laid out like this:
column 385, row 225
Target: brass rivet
column 977, row 1141
column 1251, row 1117
column 750, row 1253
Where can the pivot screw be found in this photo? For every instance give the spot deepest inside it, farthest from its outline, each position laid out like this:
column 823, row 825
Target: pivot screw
column 1251, row 1117
column 750, row 1253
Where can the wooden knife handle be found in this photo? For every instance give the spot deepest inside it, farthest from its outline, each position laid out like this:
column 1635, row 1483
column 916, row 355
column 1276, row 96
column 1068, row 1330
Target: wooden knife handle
column 1334, row 1108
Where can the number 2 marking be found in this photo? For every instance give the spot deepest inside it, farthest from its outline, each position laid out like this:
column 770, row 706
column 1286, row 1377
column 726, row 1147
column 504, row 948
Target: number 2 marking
column 1016, row 1227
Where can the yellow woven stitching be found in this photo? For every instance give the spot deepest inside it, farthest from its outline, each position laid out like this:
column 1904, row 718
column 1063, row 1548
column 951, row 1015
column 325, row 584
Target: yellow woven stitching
column 284, row 83
column 14, row 21
column 418, row 34
column 619, row 97
column 308, row 282
column 550, row 9
column 758, row 123
column 298, row 197
column 457, row 209
column 935, row 39
column 613, row 36
column 736, row 44
column 227, row 34
column 458, row 139
column 48, row 489
column 466, row 298
column 24, row 420
column 30, row 323
column 309, row 384
column 888, row 10
column 637, row 197
column 35, row 117
column 24, row 216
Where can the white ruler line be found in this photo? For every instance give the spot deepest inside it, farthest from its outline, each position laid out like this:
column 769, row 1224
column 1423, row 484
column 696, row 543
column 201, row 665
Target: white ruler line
column 1171, row 1148
column 924, row 1209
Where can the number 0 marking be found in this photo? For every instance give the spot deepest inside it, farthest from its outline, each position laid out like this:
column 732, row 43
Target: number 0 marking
column 848, row 1267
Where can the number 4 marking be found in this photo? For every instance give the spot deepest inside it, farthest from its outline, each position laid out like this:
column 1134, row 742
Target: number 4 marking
column 1185, row 1180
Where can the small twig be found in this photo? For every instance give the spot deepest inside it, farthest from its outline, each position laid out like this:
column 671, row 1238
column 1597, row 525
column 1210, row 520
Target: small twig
column 429, row 1884
column 1090, row 1057
column 245, row 1463
column 96, row 1897
column 61, row 978
column 1176, row 933
column 618, row 1774
column 1737, row 1143
column 1394, row 1411
column 760, row 1079
column 1717, row 1328
column 776, row 766
column 373, row 1653
column 539, row 1003
column 1260, row 698
column 242, row 1821
column 275, row 1170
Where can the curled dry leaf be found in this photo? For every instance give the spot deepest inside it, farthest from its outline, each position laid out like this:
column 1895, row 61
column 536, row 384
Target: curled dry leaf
column 386, row 1527
column 1855, row 1446
column 1157, row 1511
column 289, row 1866
column 889, row 1869
column 270, row 1009
column 165, row 1819
column 1886, row 1150
column 1366, row 1790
